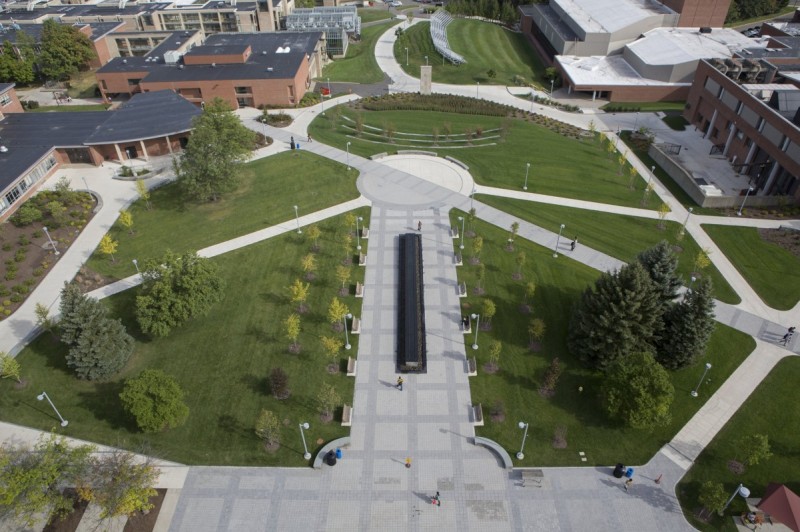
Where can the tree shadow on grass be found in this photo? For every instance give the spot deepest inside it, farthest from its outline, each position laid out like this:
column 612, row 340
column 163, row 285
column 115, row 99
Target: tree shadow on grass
column 103, row 402
column 259, row 385
column 232, row 426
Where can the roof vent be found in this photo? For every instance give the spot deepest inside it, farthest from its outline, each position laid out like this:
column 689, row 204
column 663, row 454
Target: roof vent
column 3, row 149
column 270, row 69
column 180, row 67
column 264, row 52
column 213, row 65
column 125, row 61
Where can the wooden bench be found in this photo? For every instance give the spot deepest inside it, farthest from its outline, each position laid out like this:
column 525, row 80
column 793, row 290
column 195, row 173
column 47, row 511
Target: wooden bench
column 362, row 259
column 356, row 328
column 457, row 260
column 352, row 365
column 359, row 290
column 347, row 414
column 472, row 367
column 365, row 233
column 462, row 289
column 532, row 475
column 477, row 415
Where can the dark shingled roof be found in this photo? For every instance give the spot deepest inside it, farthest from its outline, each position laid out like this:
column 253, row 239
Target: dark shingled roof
column 4, row 87
column 99, row 30
column 146, row 116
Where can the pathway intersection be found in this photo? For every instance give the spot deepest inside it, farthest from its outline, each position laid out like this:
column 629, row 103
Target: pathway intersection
column 429, row 420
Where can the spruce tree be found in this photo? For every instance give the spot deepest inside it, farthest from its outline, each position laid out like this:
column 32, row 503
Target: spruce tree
column 618, row 317
column 687, row 327
column 662, row 264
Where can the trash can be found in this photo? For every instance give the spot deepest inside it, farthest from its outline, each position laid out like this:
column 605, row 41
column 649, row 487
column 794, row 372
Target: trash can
column 338, row 454
column 330, row 458
column 619, row 470
column 629, row 473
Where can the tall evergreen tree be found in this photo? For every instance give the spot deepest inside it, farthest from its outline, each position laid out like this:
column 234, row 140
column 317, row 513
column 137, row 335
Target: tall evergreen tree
column 616, row 318
column 220, row 143
column 662, row 265
column 687, row 327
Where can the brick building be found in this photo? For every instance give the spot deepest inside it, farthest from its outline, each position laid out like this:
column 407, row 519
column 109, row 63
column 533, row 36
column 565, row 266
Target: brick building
column 34, row 145
column 751, row 112
column 246, row 70
column 9, row 103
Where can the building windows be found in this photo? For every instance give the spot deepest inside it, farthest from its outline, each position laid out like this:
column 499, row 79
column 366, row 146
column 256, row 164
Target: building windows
column 38, row 172
column 5, row 99
column 243, row 90
column 739, row 107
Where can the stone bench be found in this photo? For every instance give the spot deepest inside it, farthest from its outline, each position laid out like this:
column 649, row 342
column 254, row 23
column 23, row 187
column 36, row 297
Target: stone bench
column 356, row 328
column 416, row 152
column 531, row 475
column 330, row 446
column 477, row 415
column 362, row 259
column 352, row 366
column 472, row 367
column 462, row 289
column 347, row 415
column 492, row 445
column 458, row 260
column 365, row 232
column 359, row 290
column 456, row 161
column 454, row 232
column 378, row 155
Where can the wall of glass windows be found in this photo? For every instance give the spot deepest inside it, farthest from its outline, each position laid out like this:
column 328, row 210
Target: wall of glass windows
column 30, row 179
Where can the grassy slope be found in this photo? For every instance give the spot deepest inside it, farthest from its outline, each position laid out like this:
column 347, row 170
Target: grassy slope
column 222, row 361
column 771, row 410
column 268, row 189
column 773, row 272
column 603, row 232
column 485, row 46
column 371, row 14
column 559, row 285
column 359, row 65
column 590, row 175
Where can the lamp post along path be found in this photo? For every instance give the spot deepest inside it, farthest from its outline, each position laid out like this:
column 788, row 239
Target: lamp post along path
column 306, row 455
column 522, row 425
column 558, row 239
column 477, row 318
column 297, row 218
column 42, row 396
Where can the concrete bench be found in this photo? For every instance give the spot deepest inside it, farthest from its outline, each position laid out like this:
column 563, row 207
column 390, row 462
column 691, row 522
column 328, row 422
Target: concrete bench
column 352, row 365
column 365, row 232
column 416, row 152
column 532, row 475
column 362, row 259
column 462, row 289
column 454, row 232
column 458, row 260
column 332, row 445
column 495, row 447
column 477, row 415
column 456, row 161
column 356, row 329
column 347, row 415
column 472, row 367
column 359, row 290
column 378, row 155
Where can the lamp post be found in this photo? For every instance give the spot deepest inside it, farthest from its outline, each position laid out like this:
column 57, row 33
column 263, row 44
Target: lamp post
column 406, row 56
column 477, row 318
column 527, row 167
column 42, row 396
column 708, row 367
column 348, row 155
column 749, row 190
column 463, row 221
column 330, row 94
column 346, row 338
column 358, row 233
column 297, row 218
column 322, row 101
column 472, row 196
column 46, row 232
column 689, row 213
column 691, row 283
column 85, row 184
column 740, row 490
column 307, row 454
column 522, row 425
column 552, row 81
column 136, row 265
column 426, row 60
column 560, row 230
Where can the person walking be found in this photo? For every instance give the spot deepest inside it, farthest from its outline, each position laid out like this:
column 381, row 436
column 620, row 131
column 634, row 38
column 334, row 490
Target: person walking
column 419, row 225
column 309, row 137
column 628, row 483
column 291, row 143
column 400, row 383
column 785, row 339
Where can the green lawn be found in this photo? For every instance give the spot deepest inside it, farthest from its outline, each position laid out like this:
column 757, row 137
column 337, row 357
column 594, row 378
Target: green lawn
column 589, row 175
column 675, row 121
column 371, row 14
column 485, row 47
column 773, row 272
column 559, row 285
column 772, row 410
column 359, row 65
column 222, row 361
column 68, row 108
column 622, row 237
column 269, row 189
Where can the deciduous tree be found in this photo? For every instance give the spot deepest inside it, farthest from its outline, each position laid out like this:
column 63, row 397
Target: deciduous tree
column 268, row 428
column 336, row 311
column 126, row 220
column 63, row 50
column 327, row 398
column 309, row 265
column 176, row 289
column 211, row 163
column 343, row 274
column 754, row 448
column 477, row 247
column 313, row 232
column 332, row 347
column 119, row 484
column 279, row 384
column 638, row 391
column 108, row 246
column 488, row 310
column 713, row 496
column 155, row 400
column 495, row 348
column 536, row 329
column 144, row 194
column 520, row 260
column 10, row 367
column 298, row 293
column 291, row 326
column 43, row 318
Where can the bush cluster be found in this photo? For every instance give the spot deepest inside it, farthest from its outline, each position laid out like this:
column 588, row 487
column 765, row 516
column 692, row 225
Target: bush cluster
column 445, row 103
column 611, row 108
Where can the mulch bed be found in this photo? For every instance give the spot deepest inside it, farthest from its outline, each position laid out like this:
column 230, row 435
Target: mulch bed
column 788, row 239
column 70, row 521
column 140, row 522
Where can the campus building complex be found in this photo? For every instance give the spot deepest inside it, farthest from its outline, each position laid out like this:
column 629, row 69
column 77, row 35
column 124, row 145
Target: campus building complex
column 34, row 145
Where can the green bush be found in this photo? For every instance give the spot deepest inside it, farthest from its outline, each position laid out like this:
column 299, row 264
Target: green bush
column 16, row 298
column 155, row 400
column 10, row 275
column 26, row 215
column 24, row 240
column 19, row 256
column 21, row 288
column 38, row 272
column 7, row 246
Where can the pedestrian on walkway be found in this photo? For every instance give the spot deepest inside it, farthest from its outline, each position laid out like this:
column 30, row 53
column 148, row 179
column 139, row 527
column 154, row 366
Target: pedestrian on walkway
column 309, row 137
column 791, row 330
column 291, row 143
column 628, row 483
column 408, row 462
column 435, row 500
column 785, row 339
column 574, row 243
column 419, row 225
column 400, row 383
